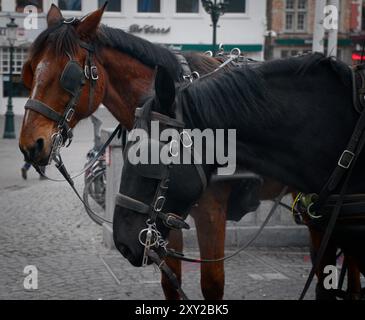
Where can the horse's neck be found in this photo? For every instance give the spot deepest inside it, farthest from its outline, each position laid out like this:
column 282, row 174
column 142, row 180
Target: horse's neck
column 127, row 80
column 298, row 143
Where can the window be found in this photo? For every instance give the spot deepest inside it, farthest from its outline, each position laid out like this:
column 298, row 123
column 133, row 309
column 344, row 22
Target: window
column 149, row 6
column 296, row 15
column 187, row 6
column 289, row 53
column 19, row 90
column 236, row 6
column 21, row 4
column 73, row 5
column 19, row 57
column 113, row 5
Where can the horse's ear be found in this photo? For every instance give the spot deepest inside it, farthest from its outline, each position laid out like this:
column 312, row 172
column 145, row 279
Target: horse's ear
column 27, row 75
column 90, row 24
column 165, row 91
column 54, row 15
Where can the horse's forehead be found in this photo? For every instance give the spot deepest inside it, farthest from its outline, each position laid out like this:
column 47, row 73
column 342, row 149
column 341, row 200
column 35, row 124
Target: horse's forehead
column 42, row 70
column 42, row 67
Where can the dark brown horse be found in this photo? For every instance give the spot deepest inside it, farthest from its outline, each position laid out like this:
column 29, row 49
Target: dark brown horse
column 125, row 67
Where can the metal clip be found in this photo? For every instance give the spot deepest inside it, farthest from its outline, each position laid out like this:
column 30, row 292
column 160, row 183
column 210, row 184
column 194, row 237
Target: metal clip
column 150, row 241
column 57, row 142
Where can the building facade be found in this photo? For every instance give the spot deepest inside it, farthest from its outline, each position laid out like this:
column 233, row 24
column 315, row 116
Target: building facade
column 179, row 24
column 292, row 25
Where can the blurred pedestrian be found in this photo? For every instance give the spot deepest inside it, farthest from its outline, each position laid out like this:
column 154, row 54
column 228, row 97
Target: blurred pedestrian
column 26, row 167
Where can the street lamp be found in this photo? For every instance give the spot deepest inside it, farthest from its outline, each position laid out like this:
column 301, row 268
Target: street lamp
column 9, row 132
column 215, row 9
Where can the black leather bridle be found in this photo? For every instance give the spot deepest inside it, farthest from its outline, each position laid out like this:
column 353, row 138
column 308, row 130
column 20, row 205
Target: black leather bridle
column 72, row 80
column 151, row 237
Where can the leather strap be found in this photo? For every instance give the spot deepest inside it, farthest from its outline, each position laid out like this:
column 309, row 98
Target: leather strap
column 340, row 171
column 43, row 109
column 333, row 218
column 124, row 201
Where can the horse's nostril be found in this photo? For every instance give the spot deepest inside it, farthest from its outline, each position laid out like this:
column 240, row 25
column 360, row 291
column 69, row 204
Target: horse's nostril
column 39, row 144
column 33, row 152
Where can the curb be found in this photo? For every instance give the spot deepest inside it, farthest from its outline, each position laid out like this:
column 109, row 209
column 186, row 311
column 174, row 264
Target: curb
column 271, row 236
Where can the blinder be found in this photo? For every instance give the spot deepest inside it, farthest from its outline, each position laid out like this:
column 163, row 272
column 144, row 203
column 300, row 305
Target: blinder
column 145, row 147
column 72, row 77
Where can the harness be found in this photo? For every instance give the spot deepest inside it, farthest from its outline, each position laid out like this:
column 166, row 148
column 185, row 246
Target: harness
column 325, row 200
column 155, row 247
column 72, row 80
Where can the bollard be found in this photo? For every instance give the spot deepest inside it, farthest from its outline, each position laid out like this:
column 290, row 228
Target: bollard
column 114, row 164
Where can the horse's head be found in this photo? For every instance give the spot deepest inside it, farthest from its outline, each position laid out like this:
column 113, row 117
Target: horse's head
column 65, row 80
column 157, row 188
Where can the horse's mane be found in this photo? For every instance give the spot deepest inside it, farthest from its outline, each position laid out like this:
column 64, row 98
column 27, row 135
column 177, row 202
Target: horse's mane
column 63, row 38
column 227, row 98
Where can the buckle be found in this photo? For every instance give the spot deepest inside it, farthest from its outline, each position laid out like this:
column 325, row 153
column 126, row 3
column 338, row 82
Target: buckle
column 69, row 114
column 159, row 203
column 87, row 72
column 346, row 159
column 175, row 222
column 94, row 73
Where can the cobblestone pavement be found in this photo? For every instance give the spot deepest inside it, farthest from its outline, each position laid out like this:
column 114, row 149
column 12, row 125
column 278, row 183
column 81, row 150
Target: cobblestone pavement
column 43, row 224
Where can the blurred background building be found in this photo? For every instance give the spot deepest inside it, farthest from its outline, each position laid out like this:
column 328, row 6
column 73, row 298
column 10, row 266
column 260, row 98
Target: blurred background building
column 179, row 24
column 292, row 25
column 260, row 28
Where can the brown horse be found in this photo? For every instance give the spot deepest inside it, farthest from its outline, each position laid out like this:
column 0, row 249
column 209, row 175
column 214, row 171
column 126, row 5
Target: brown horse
column 125, row 67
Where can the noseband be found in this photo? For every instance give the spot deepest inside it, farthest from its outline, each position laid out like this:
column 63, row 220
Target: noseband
column 72, row 80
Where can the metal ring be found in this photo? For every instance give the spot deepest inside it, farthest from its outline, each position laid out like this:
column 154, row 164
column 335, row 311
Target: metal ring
column 209, row 53
column 174, row 154
column 195, row 75
column 154, row 233
column 69, row 20
column 312, row 214
column 87, row 72
column 190, row 141
column 232, row 53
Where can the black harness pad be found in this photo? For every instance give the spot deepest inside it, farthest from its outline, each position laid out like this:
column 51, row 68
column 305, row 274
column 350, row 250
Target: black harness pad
column 244, row 198
column 152, row 171
column 72, row 77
